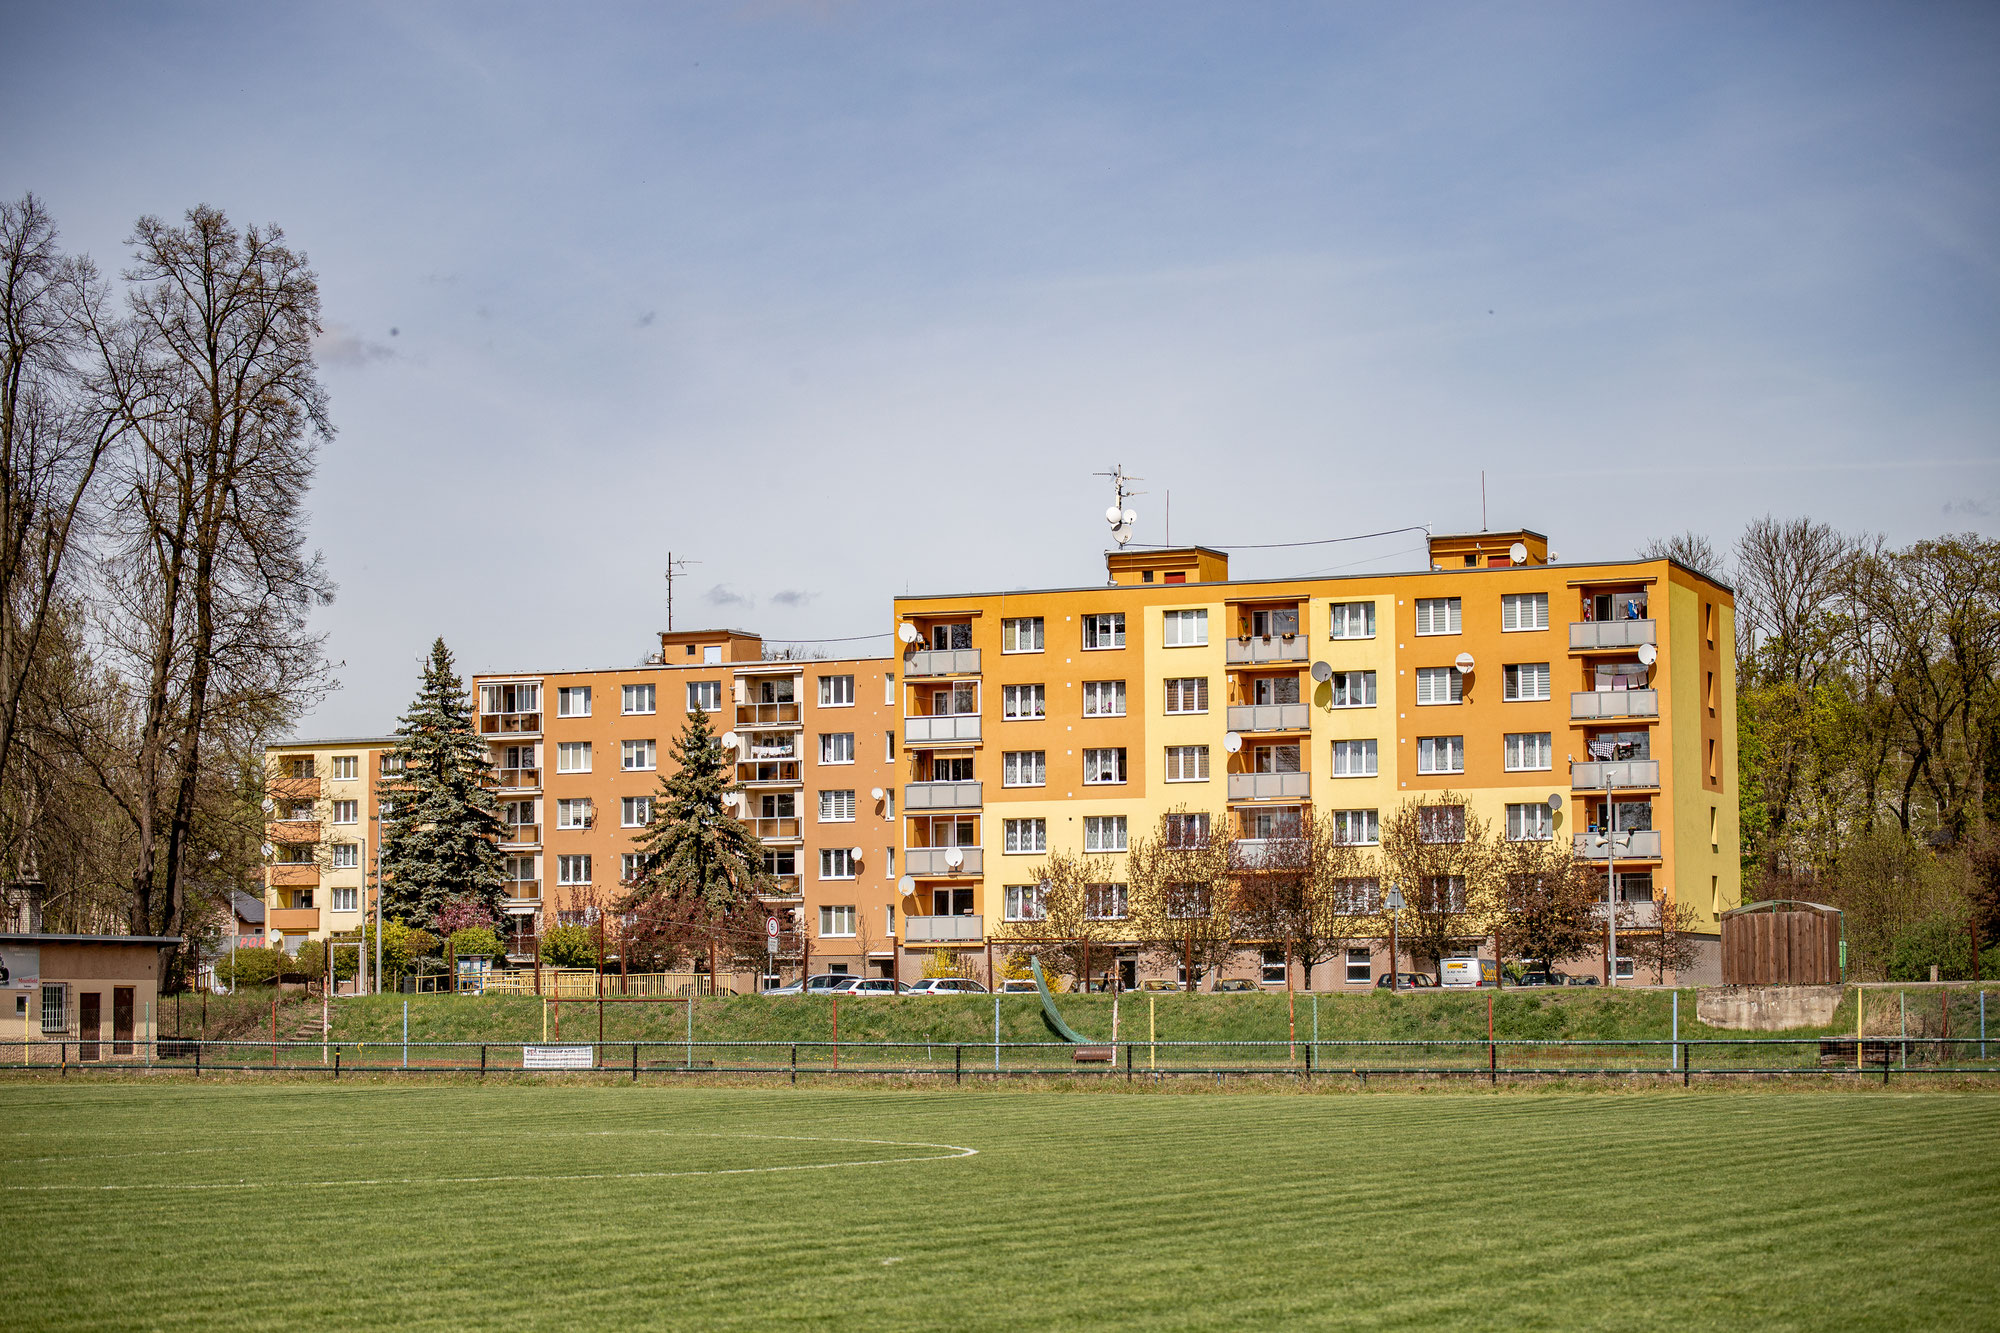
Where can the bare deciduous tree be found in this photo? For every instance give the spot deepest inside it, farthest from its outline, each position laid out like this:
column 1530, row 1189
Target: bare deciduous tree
column 1078, row 915
column 1443, row 856
column 1181, row 884
column 1551, row 904
column 1690, row 548
column 1307, row 891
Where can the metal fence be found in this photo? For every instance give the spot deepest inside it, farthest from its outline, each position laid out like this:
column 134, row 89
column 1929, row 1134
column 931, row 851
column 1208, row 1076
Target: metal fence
column 1872, row 1058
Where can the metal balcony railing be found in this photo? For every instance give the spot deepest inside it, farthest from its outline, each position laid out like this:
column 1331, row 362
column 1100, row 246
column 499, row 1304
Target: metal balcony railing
column 1637, row 845
column 942, row 662
column 520, row 835
column 1645, row 915
column 1586, row 636
column 510, row 724
column 293, row 789
column 294, row 918
column 1585, row 704
column 774, row 827
column 935, row 861
column 1269, row 786
column 767, row 715
column 1597, row 775
column 785, row 886
column 768, row 773
column 519, row 779
column 294, row 875
column 939, row 929
column 945, row 730
column 941, row 795
column 1266, row 648
column 1269, row 717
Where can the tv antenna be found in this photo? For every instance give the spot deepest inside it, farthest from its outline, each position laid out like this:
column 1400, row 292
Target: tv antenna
column 1118, row 516
column 675, row 569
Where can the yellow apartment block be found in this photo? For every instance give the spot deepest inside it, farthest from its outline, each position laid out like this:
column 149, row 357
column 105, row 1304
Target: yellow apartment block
column 323, row 828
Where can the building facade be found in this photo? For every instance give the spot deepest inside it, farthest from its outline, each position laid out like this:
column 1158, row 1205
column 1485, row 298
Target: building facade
column 322, row 833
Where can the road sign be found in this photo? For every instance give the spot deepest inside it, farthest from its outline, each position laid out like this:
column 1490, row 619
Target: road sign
column 771, row 927
column 771, row 946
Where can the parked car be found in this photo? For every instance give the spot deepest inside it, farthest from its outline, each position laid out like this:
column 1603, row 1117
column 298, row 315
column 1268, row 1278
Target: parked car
column 948, row 986
column 1406, row 981
column 1585, row 980
column 826, row 983
column 1159, row 984
column 1017, row 986
column 1470, row 972
column 1537, row 979
column 875, row 986
column 1235, row 986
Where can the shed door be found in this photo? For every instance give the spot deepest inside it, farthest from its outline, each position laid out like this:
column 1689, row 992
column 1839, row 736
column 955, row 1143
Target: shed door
column 121, row 1020
column 89, row 1024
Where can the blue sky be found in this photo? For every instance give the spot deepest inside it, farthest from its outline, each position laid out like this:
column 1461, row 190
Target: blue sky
column 846, row 298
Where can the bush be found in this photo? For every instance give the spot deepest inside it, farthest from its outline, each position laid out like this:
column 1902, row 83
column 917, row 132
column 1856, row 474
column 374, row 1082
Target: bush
column 402, row 946
column 569, row 946
column 252, row 967
column 946, row 963
column 476, row 942
column 311, row 960
column 1941, row 942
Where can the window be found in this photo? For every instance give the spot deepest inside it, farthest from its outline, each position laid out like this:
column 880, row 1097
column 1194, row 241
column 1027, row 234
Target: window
column 836, row 807
column 522, row 697
column 1266, row 822
column 1533, row 822
column 1353, row 689
column 519, row 870
column 630, row 866
column 836, row 922
column 1104, row 902
column 836, row 863
column 1186, row 629
column 299, row 812
column 1274, row 968
column 1274, row 690
column 1022, row 702
column 1284, row 620
column 1437, row 615
column 1024, row 902
column 704, row 696
column 1526, row 680
column 55, row 1006
column 1104, row 833
column 1524, row 610
column 1103, row 766
column 346, row 900
column 1275, row 759
column 836, row 691
column 572, row 870
column 1359, row 971
column 1104, row 698
column 1105, row 630
column 1022, row 635
column 1025, row 835
column 1185, row 830
column 294, row 854
column 1024, row 768
column 1189, row 900
column 346, row 856
column 1361, row 828
column 392, row 764
column 836, row 747
column 642, row 699
column 1440, row 685
column 1187, row 763
column 635, row 811
column 956, row 700
column 347, row 812
column 574, row 700
column 1441, row 823
column 638, row 756
column 952, row 635
column 888, row 689
column 1352, row 620
column 1187, row 694
column 346, row 767
column 1529, row 751
column 946, row 769
column 572, row 756
column 1440, row 754
column 1442, row 893
column 574, row 812
column 300, row 768
column 512, row 757
column 1354, row 759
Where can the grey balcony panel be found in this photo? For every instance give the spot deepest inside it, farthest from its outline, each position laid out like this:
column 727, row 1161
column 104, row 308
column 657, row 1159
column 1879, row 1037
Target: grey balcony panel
column 1614, row 703
column 1597, row 775
column 1644, row 846
column 931, row 861
column 1269, row 786
column 1587, row 635
column 1267, row 648
column 1269, row 717
column 935, row 929
column 942, row 662
column 941, row 795
column 945, row 730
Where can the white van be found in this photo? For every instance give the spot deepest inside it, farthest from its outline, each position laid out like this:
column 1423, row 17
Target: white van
column 1469, row 972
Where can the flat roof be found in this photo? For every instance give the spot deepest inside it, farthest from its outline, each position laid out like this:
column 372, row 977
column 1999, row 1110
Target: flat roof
column 157, row 941
column 773, row 663
column 334, row 740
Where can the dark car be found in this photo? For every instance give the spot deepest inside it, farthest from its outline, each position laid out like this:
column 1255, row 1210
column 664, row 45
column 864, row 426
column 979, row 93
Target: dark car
column 1405, row 981
column 1585, row 980
column 1537, row 979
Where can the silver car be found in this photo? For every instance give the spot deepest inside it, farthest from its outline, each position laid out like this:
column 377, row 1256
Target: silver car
column 946, row 986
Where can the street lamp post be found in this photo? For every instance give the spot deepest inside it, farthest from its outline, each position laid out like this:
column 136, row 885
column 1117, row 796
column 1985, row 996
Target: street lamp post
column 1393, row 900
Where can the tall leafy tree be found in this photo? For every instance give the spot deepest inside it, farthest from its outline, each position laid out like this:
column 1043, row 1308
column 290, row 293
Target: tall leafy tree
column 695, row 852
column 441, row 840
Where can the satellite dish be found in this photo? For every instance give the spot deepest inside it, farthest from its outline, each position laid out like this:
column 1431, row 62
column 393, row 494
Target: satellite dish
column 277, row 937
column 1519, row 553
column 1129, row 517
column 1322, row 672
column 1464, row 664
column 906, row 632
column 269, row 805
column 876, row 792
column 855, row 852
column 954, row 858
column 1122, row 533
column 1648, row 654
column 269, row 850
column 730, row 740
column 1113, row 516
column 907, row 884
column 1554, row 556
column 1232, row 742
column 1555, row 800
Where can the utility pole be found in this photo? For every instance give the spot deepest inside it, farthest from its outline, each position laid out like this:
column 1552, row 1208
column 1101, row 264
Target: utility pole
column 675, row 569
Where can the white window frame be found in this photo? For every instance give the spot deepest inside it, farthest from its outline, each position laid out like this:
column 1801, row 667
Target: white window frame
column 1365, row 823
column 568, row 699
column 1439, row 615
column 1023, row 902
column 1367, row 748
column 836, row 691
column 1525, row 682
column 1015, row 698
column 1341, row 618
column 1187, row 763
column 1353, row 689
column 1429, row 679
column 1104, row 698
column 1121, row 901
column 1519, row 743
column 343, row 899
column 347, row 812
column 345, row 856
column 1363, row 959
column 569, row 866
column 1177, row 690
column 637, row 700
column 701, row 692
column 1012, row 761
column 572, row 756
column 1184, row 629
column 1024, row 837
column 575, row 812
column 837, row 921
column 1021, row 634
column 630, row 864
column 1104, row 833
column 836, row 863
column 1530, row 821
column 629, row 806
column 836, row 747
column 1432, row 749
column 638, row 756
column 346, row 767
column 833, row 801
column 1097, row 760
column 1512, row 604
column 1100, row 626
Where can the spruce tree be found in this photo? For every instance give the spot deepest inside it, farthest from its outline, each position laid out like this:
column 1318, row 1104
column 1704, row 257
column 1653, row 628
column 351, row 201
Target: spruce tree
column 695, row 851
column 441, row 841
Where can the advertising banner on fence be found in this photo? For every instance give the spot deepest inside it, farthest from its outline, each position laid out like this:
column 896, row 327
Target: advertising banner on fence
column 555, row 1057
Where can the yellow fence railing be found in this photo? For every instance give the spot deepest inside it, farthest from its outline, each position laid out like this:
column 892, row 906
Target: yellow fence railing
column 583, row 984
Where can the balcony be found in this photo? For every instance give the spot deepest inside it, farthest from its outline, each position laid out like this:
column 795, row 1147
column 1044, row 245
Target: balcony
column 1594, row 636
column 941, row 795
column 510, row 724
column 292, row 830
column 1251, row 853
column 756, row 751
column 1643, row 845
column 1266, row 648
column 943, row 929
column 1586, row 704
column 775, row 828
column 784, row 888
column 942, row 662
column 289, row 919
column 931, row 861
column 948, row 729
column 294, row 875
column 1270, row 786
column 520, row 835
column 292, row 789
column 523, row 896
column 519, row 779
column 769, row 773
column 767, row 715
column 1269, row 717
column 1641, row 915
column 1597, row 775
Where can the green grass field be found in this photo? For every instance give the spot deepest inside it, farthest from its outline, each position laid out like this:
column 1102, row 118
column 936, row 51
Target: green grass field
column 381, row 1205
